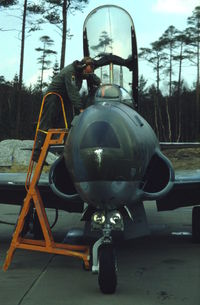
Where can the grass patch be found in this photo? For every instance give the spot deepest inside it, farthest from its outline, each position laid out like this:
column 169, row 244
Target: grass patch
column 184, row 158
column 17, row 168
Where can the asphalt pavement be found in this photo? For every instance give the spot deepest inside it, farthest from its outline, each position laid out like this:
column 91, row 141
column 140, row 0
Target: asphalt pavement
column 163, row 268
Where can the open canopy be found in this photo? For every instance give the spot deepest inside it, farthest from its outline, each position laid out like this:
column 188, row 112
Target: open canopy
column 109, row 38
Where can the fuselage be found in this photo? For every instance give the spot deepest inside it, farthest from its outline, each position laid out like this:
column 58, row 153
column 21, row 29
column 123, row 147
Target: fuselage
column 107, row 152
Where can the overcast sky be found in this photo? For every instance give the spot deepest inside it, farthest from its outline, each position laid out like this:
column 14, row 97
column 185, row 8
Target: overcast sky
column 151, row 19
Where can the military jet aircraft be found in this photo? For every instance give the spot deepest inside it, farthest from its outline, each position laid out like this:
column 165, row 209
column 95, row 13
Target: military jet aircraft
column 112, row 159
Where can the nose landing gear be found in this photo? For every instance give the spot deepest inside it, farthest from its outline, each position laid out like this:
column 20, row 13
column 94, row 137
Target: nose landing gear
column 104, row 256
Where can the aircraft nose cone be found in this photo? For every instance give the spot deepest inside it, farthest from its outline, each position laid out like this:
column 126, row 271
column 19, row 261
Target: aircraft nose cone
column 102, row 154
column 99, row 152
column 95, row 146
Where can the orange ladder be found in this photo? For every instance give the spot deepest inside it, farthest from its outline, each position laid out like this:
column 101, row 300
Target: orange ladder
column 33, row 197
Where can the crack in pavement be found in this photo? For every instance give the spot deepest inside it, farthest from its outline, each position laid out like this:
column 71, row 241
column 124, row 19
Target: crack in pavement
column 34, row 283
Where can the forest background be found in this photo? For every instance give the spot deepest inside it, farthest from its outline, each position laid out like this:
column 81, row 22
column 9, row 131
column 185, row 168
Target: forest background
column 172, row 111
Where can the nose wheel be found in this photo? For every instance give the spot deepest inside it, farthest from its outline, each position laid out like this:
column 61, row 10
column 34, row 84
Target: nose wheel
column 107, row 276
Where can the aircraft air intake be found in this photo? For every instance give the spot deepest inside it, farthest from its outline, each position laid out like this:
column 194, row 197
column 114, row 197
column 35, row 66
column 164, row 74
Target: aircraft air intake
column 61, row 183
column 159, row 177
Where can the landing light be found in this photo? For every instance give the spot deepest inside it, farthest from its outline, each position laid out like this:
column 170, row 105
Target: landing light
column 99, row 218
column 115, row 218
column 112, row 220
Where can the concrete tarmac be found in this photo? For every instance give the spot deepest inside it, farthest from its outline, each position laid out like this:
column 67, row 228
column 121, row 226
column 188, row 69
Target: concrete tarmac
column 163, row 268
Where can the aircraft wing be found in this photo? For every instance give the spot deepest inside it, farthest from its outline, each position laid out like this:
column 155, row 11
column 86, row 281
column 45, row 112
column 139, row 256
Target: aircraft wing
column 12, row 191
column 185, row 192
column 170, row 145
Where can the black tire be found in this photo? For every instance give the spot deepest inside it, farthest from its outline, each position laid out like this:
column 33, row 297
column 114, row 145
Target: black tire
column 107, row 277
column 196, row 224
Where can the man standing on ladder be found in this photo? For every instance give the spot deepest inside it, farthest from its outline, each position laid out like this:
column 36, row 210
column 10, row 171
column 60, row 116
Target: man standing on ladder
column 67, row 83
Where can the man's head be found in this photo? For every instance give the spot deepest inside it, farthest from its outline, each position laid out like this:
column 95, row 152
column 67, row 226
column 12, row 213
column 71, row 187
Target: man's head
column 88, row 65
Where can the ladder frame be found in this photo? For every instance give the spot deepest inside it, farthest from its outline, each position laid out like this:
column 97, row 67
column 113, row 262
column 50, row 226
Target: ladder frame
column 34, row 198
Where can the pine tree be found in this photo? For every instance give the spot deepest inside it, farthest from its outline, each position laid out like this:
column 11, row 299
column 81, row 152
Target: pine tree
column 26, row 8
column 58, row 11
column 156, row 57
column 193, row 52
column 43, row 60
column 7, row 3
column 56, row 69
column 169, row 43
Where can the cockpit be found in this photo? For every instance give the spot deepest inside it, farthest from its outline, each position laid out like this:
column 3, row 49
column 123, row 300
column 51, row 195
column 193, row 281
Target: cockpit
column 112, row 45
column 113, row 93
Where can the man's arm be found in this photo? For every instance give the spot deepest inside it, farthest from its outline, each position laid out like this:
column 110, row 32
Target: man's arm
column 94, row 80
column 73, row 90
